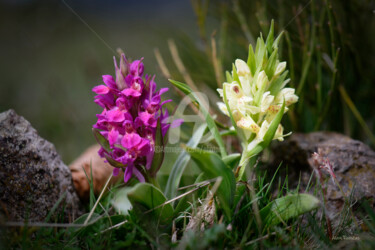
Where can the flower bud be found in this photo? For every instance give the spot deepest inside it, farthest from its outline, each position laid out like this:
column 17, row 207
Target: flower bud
column 280, row 68
column 242, row 68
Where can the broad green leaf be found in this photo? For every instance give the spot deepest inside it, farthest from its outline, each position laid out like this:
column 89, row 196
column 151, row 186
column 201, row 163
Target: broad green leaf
column 213, row 166
column 147, row 199
column 181, row 162
column 232, row 160
column 159, row 152
column 101, row 140
column 251, row 60
column 287, row 207
column 277, row 83
column 269, row 41
column 210, row 121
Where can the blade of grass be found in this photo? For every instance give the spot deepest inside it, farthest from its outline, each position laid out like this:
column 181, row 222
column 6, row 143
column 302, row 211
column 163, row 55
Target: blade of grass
column 97, row 201
column 356, row 113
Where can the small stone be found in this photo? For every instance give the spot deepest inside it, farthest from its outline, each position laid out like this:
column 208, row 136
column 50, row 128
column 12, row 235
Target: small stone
column 32, row 174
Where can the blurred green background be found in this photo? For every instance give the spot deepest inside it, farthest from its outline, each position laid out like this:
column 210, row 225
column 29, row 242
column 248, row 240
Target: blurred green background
column 54, row 52
column 50, row 59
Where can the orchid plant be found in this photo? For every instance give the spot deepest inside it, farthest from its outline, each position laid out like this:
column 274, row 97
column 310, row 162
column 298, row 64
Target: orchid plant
column 133, row 124
column 255, row 98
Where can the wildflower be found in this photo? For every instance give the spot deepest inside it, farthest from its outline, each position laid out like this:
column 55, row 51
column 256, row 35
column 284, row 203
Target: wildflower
column 131, row 119
column 319, row 162
column 254, row 94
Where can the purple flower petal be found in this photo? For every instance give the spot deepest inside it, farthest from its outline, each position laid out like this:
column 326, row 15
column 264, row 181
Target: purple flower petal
column 113, row 136
column 149, row 159
column 143, row 147
column 131, row 140
column 131, row 92
column 163, row 90
column 139, row 175
column 166, row 101
column 137, row 68
column 176, row 123
column 148, row 119
column 100, row 89
column 128, row 173
column 115, row 115
column 109, row 81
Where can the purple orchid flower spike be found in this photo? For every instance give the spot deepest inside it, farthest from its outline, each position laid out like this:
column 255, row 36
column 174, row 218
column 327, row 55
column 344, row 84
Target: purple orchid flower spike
column 133, row 123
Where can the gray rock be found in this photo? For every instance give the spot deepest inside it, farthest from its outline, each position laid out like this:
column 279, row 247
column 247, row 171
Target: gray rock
column 353, row 164
column 32, row 175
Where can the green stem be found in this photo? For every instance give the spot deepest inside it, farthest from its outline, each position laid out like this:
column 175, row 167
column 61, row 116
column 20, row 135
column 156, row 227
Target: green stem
column 243, row 163
column 154, row 181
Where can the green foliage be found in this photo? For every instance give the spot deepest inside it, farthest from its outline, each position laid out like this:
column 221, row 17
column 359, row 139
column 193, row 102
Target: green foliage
column 287, row 207
column 210, row 121
column 181, row 163
column 213, row 167
column 146, row 198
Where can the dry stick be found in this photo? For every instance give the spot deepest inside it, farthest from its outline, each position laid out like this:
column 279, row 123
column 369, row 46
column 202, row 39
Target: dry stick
column 216, row 62
column 180, row 66
column 112, row 227
column 263, row 237
column 160, row 61
column 167, row 75
column 212, row 193
column 43, row 224
column 180, row 196
column 97, row 201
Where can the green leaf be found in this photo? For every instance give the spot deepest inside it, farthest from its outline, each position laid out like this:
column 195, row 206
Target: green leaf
column 277, row 83
column 276, row 42
column 120, row 200
column 271, row 64
column 251, row 60
column 147, row 199
column 210, row 121
column 269, row 134
column 260, row 52
column 113, row 162
column 269, row 41
column 273, row 126
column 228, row 76
column 181, row 162
column 232, row 160
column 235, row 75
column 101, row 140
column 287, row 207
column 159, row 152
column 213, row 166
